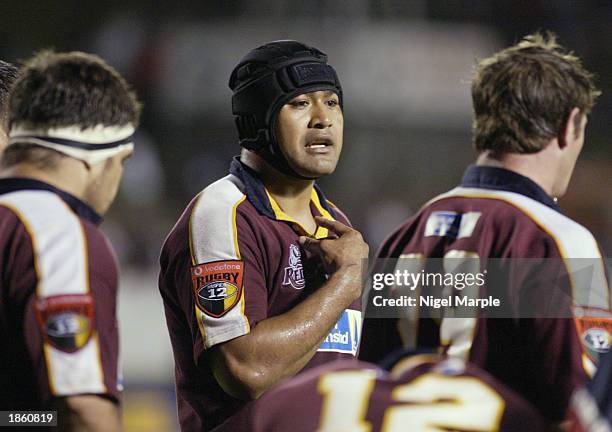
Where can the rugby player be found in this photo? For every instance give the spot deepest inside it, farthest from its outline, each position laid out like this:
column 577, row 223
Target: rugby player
column 260, row 275
column 531, row 103
column 8, row 74
column 422, row 392
column 72, row 119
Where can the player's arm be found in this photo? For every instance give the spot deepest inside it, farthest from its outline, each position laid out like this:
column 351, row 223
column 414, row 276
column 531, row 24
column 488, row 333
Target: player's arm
column 89, row 413
column 545, row 293
column 280, row 346
column 70, row 327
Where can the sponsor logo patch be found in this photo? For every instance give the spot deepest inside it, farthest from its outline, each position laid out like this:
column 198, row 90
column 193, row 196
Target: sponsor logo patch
column 313, row 72
column 294, row 272
column 66, row 321
column 217, row 286
column 451, row 224
column 595, row 334
column 344, row 337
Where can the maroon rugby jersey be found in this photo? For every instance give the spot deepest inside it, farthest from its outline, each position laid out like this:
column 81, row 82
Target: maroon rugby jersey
column 422, row 393
column 58, row 288
column 497, row 213
column 232, row 260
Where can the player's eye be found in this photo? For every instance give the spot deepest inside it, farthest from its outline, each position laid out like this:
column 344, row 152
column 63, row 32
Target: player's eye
column 332, row 102
column 298, row 103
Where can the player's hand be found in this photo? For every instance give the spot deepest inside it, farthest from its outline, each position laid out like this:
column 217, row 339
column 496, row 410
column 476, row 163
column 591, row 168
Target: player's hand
column 347, row 251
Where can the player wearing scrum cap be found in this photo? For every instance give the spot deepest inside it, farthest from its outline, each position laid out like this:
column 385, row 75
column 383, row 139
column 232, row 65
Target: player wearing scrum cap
column 72, row 119
column 261, row 274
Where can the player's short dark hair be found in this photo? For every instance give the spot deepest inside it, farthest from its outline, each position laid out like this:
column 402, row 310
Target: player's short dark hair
column 41, row 157
column 8, row 75
column 524, row 94
column 68, row 89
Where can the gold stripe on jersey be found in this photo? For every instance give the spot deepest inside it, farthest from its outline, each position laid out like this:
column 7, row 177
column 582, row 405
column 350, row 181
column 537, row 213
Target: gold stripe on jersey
column 235, row 227
column 589, row 367
column 237, row 247
column 30, row 232
column 278, row 212
column 191, row 253
column 194, row 262
column 94, row 335
column 320, row 232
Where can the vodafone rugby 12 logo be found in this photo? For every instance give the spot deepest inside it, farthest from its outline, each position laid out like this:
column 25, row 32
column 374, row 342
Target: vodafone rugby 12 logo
column 217, row 286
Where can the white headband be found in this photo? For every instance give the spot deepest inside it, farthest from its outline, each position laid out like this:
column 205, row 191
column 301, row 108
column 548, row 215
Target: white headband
column 91, row 145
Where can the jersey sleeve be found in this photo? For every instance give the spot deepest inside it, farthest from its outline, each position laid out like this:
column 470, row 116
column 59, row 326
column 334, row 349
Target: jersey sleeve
column 227, row 274
column 69, row 321
column 545, row 304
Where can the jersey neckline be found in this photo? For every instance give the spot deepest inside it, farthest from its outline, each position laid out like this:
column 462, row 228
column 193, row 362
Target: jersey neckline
column 263, row 202
column 487, row 177
column 15, row 184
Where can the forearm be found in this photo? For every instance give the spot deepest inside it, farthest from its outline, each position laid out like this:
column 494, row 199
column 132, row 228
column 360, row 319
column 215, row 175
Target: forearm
column 89, row 413
column 280, row 346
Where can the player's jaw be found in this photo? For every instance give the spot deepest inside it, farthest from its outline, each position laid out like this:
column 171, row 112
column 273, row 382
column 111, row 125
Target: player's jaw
column 104, row 180
column 316, row 154
column 309, row 130
column 569, row 157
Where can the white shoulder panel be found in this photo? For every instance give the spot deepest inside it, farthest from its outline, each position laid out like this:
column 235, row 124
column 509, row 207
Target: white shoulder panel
column 58, row 241
column 576, row 244
column 214, row 237
column 213, row 221
column 61, row 259
column 574, row 240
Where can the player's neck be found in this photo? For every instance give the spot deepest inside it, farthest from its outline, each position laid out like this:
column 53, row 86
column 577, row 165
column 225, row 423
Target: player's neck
column 68, row 176
column 291, row 194
column 538, row 167
column 294, row 199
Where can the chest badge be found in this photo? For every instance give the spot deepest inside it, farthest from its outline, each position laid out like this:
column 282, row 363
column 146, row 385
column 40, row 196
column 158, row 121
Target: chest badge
column 294, row 272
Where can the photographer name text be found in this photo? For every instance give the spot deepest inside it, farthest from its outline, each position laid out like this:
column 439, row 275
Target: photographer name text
column 436, row 302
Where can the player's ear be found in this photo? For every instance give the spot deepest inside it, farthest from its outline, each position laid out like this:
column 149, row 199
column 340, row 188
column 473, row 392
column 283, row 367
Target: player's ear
column 571, row 129
column 3, row 138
